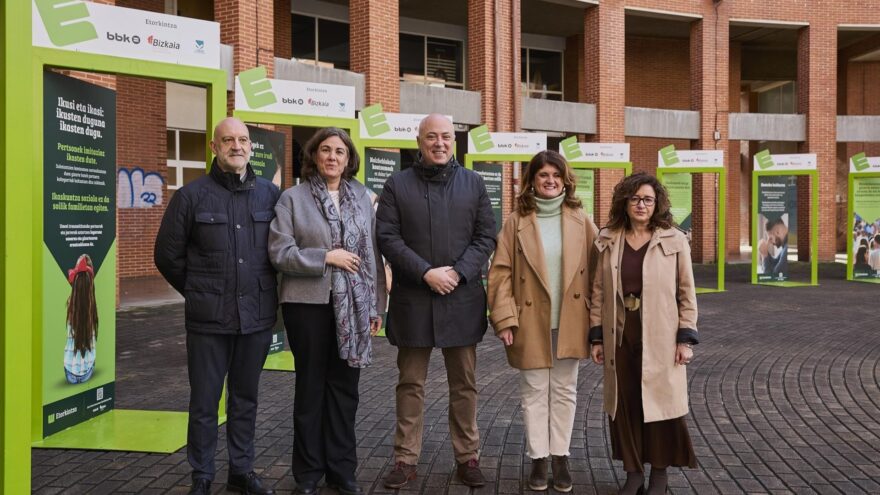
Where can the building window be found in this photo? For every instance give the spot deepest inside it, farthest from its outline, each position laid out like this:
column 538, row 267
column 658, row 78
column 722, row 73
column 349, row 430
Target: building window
column 320, row 41
column 541, row 73
column 433, row 61
column 779, row 97
column 186, row 156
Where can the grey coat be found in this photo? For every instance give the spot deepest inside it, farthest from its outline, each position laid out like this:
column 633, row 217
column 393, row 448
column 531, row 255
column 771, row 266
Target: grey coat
column 299, row 239
column 422, row 223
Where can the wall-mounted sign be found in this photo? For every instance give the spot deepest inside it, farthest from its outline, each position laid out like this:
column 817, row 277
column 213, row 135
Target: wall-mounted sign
column 376, row 124
column 253, row 91
column 108, row 30
column 669, row 157
column 593, row 152
column 483, row 142
column 861, row 163
column 800, row 161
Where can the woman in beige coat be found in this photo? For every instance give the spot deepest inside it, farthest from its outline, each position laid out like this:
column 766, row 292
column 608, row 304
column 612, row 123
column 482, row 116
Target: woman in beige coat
column 643, row 325
column 539, row 287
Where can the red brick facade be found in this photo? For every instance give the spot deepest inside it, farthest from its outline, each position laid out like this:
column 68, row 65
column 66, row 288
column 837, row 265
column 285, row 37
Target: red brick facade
column 602, row 66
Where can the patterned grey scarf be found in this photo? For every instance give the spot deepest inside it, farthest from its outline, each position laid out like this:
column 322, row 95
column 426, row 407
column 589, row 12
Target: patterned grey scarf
column 353, row 294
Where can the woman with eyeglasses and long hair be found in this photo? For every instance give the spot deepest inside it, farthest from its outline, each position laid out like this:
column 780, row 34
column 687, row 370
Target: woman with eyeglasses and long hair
column 643, row 318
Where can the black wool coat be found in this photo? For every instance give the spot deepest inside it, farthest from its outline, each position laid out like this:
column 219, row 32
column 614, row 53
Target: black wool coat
column 426, row 222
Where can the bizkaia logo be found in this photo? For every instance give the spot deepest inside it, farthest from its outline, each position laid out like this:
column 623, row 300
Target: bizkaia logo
column 124, row 38
column 318, row 103
column 156, row 42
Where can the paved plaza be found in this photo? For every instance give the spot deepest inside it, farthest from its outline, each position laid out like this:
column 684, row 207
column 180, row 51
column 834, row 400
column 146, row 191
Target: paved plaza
column 783, row 388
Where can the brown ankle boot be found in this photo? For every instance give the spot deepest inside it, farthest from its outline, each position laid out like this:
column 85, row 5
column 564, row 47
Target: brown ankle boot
column 538, row 477
column 561, row 475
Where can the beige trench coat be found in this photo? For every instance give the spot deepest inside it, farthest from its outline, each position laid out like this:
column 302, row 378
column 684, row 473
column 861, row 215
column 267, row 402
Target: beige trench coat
column 668, row 316
column 519, row 296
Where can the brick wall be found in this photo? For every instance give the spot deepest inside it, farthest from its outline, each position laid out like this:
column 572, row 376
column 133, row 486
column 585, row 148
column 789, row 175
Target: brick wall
column 375, row 48
column 658, row 73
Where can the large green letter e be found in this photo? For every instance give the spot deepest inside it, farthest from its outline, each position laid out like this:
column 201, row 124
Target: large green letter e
column 256, row 88
column 59, row 24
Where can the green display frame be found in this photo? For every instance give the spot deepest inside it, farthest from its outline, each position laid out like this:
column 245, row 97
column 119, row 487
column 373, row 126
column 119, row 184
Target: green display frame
column 370, row 143
column 16, row 244
column 850, row 209
column 117, row 429
column 583, row 165
column 721, row 217
column 814, row 226
column 284, row 361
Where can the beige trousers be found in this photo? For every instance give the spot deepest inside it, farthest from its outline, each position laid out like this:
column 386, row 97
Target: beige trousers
column 549, row 400
column 412, row 363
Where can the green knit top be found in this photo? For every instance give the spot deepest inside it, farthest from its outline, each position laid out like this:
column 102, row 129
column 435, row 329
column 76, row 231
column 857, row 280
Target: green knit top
column 549, row 217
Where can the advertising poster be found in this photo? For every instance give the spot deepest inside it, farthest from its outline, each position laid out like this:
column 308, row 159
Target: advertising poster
column 491, row 174
column 267, row 160
column 680, row 188
column 79, row 251
column 776, row 226
column 378, row 166
column 866, row 227
column 584, row 181
column 267, row 157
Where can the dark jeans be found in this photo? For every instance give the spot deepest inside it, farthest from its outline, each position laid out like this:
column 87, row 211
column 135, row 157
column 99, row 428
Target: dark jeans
column 210, row 358
column 326, row 401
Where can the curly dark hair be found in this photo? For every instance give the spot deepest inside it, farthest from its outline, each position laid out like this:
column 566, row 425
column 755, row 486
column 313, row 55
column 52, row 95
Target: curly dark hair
column 525, row 202
column 619, row 219
column 310, row 153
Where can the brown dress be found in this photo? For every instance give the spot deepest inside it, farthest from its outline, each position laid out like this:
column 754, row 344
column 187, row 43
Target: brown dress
column 662, row 443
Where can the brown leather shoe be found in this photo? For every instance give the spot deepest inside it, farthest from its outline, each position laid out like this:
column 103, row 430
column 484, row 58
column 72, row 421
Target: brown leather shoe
column 402, row 474
column 538, row 477
column 469, row 473
column 561, row 475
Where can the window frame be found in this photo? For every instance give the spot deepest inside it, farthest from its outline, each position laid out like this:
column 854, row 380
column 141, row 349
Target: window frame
column 527, row 89
column 454, row 85
column 176, row 163
column 315, row 18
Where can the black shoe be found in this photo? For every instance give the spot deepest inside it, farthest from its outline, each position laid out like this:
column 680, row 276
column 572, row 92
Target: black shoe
column 200, row 486
column 249, row 484
column 306, row 487
column 346, row 487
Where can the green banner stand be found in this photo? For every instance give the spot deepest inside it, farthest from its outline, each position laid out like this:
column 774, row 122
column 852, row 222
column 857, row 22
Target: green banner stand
column 282, row 360
column 863, row 199
column 19, row 290
column 115, row 429
column 585, row 158
column 676, row 162
column 767, row 165
column 486, row 165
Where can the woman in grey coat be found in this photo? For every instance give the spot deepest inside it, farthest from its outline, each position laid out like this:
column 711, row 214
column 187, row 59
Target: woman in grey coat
column 322, row 242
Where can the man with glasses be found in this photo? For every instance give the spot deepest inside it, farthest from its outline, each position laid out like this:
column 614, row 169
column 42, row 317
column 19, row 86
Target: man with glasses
column 212, row 248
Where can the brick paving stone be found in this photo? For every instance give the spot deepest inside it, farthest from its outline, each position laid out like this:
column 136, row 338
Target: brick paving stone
column 769, row 414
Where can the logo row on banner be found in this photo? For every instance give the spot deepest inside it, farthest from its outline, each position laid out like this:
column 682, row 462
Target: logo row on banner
column 109, row 30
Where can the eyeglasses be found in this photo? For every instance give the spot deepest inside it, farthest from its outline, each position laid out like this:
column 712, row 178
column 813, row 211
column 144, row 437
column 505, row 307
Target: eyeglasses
column 647, row 200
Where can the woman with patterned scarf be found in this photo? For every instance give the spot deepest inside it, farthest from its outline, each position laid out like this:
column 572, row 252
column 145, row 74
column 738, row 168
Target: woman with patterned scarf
column 322, row 240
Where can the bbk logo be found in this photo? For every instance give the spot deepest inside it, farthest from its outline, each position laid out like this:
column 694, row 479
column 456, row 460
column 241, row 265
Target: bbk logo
column 124, row 38
column 291, row 101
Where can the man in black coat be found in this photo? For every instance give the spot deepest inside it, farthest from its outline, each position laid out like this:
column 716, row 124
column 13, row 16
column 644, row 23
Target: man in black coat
column 212, row 248
column 435, row 227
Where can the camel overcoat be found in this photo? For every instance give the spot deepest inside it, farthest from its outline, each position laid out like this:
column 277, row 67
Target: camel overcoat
column 519, row 296
column 669, row 316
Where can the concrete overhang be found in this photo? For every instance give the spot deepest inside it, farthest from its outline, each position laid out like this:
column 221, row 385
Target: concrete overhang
column 558, row 116
column 660, row 123
column 858, row 128
column 767, row 127
column 464, row 106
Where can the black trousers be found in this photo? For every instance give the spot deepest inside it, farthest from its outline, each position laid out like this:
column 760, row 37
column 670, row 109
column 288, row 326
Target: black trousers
column 326, row 400
column 210, row 358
